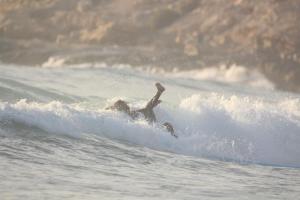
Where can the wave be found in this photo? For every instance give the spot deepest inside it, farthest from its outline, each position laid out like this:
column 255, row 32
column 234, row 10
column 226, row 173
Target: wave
column 233, row 74
column 227, row 128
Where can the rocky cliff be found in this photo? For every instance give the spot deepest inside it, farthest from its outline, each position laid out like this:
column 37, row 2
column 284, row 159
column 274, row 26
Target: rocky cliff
column 185, row 34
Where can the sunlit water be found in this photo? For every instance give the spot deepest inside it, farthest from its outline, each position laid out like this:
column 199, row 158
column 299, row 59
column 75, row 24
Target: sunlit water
column 238, row 138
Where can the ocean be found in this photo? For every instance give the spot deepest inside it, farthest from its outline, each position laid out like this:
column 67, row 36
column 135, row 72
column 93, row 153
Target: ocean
column 238, row 137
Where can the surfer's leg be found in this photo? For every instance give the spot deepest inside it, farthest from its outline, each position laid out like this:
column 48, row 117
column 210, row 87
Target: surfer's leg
column 155, row 100
column 148, row 110
column 170, row 129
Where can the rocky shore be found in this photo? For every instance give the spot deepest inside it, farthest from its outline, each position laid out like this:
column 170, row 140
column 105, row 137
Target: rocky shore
column 185, row 34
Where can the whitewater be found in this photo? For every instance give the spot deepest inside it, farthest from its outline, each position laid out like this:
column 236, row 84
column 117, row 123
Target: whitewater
column 238, row 136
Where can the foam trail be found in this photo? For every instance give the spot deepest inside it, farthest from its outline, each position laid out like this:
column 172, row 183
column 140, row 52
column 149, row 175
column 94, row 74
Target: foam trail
column 230, row 128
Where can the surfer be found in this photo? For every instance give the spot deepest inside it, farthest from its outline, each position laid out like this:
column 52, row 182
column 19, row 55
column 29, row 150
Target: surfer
column 147, row 111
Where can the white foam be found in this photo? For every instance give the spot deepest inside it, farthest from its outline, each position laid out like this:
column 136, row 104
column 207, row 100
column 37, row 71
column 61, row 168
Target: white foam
column 62, row 62
column 234, row 128
column 233, row 74
column 258, row 130
column 55, row 61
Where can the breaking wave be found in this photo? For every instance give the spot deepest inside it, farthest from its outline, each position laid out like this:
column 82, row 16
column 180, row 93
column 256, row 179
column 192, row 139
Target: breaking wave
column 235, row 128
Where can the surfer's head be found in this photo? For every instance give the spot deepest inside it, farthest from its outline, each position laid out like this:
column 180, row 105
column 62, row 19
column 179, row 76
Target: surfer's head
column 121, row 105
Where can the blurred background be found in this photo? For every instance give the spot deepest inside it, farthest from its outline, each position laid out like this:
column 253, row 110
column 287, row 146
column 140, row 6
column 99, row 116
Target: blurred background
column 162, row 34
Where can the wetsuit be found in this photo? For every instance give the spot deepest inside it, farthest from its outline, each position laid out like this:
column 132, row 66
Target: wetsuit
column 148, row 110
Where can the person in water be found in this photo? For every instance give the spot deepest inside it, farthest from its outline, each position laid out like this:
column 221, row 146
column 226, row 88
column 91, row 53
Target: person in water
column 147, row 111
